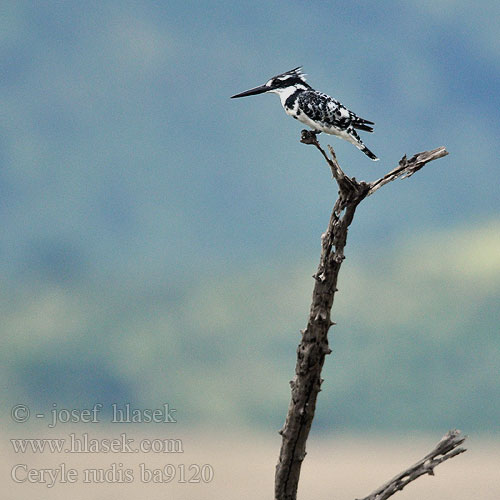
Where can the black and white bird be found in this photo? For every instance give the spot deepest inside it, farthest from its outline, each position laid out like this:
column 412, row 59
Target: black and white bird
column 315, row 109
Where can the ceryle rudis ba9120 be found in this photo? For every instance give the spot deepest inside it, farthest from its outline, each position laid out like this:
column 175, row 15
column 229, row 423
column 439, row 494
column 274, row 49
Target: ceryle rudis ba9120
column 317, row 110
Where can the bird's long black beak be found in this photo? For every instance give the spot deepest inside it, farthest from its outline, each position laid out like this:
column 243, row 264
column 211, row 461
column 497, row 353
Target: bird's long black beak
column 256, row 90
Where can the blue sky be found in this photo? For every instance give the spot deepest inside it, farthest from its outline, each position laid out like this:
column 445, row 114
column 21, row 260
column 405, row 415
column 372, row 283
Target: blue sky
column 131, row 184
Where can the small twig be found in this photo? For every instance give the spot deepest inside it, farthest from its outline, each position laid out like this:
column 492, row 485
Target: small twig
column 308, row 137
column 447, row 448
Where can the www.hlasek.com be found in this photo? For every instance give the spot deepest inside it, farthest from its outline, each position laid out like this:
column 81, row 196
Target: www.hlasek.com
column 83, row 443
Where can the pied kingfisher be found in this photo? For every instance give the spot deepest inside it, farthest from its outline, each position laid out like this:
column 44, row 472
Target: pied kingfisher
column 317, row 110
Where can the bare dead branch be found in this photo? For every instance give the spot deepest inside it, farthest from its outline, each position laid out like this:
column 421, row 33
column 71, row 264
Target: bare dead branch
column 447, row 448
column 311, row 352
column 407, row 168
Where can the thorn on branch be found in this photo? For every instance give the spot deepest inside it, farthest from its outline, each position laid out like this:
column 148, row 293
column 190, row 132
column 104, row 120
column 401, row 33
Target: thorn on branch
column 320, row 278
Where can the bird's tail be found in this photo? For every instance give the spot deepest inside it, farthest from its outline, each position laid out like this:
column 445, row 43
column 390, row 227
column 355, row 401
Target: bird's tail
column 356, row 140
column 368, row 153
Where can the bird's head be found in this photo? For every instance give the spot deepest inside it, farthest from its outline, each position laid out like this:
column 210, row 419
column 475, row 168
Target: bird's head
column 285, row 83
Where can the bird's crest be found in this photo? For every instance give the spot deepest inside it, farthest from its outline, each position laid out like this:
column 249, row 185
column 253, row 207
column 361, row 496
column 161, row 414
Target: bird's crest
column 293, row 73
column 294, row 77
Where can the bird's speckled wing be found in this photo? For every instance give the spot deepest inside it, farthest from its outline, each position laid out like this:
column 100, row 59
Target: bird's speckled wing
column 325, row 109
column 328, row 111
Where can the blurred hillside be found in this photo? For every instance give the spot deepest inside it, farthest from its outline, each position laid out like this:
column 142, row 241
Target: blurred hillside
column 416, row 344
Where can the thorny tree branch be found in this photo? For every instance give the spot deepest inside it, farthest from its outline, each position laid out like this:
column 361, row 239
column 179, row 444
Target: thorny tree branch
column 447, row 448
column 313, row 348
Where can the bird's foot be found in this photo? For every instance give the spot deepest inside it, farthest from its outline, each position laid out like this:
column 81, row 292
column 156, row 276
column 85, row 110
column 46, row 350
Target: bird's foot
column 309, row 136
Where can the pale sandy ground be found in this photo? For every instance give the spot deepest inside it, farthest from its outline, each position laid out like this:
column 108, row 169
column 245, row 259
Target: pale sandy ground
column 335, row 468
